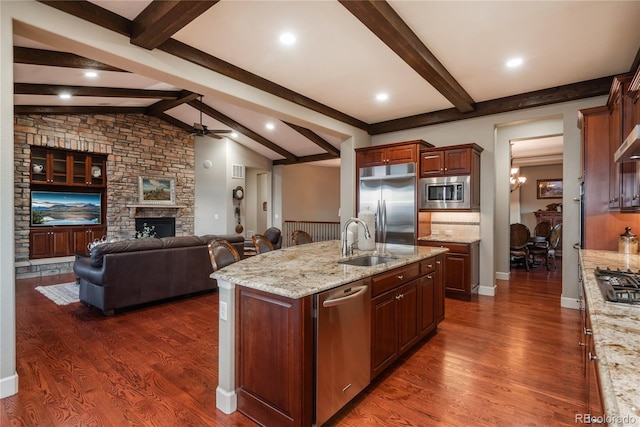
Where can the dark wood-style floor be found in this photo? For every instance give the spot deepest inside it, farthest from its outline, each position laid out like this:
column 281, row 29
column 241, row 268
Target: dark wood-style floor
column 503, row 361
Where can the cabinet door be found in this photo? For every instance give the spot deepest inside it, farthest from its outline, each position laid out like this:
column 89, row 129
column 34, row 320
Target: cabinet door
column 431, row 163
column 96, row 170
column 78, row 171
column 439, row 288
column 39, row 165
column 373, row 157
column 426, row 295
column 408, row 321
column 402, row 154
column 457, row 161
column 49, row 243
column 57, row 168
column 457, row 273
column 384, row 326
column 39, row 243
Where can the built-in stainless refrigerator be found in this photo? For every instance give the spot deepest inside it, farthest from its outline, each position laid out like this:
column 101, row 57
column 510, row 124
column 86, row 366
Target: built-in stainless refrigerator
column 390, row 192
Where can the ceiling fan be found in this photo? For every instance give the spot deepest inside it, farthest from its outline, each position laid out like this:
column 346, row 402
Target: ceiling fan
column 202, row 130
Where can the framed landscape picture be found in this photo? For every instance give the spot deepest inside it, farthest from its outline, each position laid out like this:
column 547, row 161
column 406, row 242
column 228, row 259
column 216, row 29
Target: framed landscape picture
column 157, row 190
column 550, row 188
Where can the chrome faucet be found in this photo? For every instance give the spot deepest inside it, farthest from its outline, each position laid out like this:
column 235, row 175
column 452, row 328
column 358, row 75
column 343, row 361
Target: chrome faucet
column 346, row 249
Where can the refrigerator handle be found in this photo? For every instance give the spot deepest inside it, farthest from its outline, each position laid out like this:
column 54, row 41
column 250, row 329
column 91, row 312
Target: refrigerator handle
column 378, row 222
column 384, row 222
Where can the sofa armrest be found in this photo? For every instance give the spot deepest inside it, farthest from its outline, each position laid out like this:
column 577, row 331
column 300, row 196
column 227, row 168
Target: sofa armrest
column 84, row 270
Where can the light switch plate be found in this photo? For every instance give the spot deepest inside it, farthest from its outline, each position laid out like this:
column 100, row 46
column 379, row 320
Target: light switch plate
column 223, row 310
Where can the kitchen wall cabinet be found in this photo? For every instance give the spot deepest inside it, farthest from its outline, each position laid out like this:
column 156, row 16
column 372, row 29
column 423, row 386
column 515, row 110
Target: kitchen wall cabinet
column 67, row 168
column 49, row 242
column 461, row 274
column 624, row 178
column 400, row 152
column 448, row 161
column 458, row 160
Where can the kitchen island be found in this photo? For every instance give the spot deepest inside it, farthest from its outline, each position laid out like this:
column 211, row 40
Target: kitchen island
column 615, row 331
column 267, row 322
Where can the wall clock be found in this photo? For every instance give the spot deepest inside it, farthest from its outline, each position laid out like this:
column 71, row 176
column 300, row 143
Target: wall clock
column 238, row 193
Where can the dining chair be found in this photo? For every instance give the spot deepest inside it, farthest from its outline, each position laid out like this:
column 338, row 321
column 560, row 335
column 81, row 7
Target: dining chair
column 543, row 229
column 519, row 243
column 275, row 237
column 222, row 253
column 299, row 237
column 261, row 243
column 547, row 249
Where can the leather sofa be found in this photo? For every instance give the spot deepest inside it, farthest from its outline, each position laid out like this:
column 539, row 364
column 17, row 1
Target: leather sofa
column 132, row 272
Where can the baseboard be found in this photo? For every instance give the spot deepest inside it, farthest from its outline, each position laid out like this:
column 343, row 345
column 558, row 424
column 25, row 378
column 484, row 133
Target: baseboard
column 502, row 275
column 573, row 303
column 9, row 386
column 487, row 290
column 226, row 401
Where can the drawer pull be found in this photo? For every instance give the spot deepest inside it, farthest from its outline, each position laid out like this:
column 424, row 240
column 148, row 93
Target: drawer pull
column 400, row 276
column 429, row 276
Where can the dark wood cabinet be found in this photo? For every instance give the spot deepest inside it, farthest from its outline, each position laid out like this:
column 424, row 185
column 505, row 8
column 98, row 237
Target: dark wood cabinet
column 450, row 161
column 461, row 268
column 388, row 154
column 66, row 168
column 274, row 365
column 432, row 277
column 594, row 404
column 49, row 242
column 458, row 160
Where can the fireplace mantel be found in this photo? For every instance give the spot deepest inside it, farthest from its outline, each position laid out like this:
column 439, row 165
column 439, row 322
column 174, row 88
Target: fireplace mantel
column 133, row 209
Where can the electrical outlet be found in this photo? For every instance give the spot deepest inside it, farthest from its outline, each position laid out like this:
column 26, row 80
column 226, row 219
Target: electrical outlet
column 223, row 310
column 215, row 216
column 435, row 232
column 448, row 232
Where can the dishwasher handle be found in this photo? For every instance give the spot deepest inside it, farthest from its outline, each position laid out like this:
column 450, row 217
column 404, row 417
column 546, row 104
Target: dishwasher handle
column 342, row 300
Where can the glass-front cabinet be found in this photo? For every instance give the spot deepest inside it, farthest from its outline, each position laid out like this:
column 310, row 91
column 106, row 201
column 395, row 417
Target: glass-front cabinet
column 57, row 167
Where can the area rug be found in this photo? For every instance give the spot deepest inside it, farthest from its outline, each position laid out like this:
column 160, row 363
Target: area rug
column 63, row 294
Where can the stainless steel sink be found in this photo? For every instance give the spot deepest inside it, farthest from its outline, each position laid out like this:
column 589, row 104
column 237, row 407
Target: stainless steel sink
column 368, row 260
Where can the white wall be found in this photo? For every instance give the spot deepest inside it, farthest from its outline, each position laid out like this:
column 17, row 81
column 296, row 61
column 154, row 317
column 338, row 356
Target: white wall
column 310, row 193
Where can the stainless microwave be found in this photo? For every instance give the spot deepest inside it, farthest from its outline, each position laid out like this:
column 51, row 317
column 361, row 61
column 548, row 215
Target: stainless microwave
column 445, row 192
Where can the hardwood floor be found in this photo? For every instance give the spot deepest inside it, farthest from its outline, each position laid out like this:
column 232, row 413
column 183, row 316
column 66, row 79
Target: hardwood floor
column 508, row 360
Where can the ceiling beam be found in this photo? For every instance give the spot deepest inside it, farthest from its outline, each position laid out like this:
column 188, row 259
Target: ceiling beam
column 161, row 106
column 108, row 92
column 571, row 92
column 27, row 55
column 162, row 19
column 92, row 13
column 315, row 138
column 305, row 159
column 75, row 109
column 386, row 24
column 242, row 129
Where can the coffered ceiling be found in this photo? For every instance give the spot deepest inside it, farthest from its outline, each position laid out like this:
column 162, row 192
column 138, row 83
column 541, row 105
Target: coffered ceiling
column 437, row 61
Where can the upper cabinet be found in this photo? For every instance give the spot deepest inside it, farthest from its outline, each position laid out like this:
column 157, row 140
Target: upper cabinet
column 388, row 154
column 446, row 161
column 58, row 167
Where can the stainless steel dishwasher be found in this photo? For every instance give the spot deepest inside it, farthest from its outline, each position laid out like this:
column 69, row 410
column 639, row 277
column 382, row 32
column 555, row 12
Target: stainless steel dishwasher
column 343, row 346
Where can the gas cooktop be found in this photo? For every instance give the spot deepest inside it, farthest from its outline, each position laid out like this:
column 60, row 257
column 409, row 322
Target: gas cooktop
column 619, row 286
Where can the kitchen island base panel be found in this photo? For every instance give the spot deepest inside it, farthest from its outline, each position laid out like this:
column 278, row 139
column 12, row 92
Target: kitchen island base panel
column 226, row 398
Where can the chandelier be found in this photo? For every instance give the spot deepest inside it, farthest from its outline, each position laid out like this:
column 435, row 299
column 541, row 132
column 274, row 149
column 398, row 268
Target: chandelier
column 515, row 180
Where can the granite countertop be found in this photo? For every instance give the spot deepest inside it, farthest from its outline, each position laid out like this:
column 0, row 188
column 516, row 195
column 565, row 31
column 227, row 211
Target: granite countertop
column 449, row 239
column 616, row 336
column 299, row 271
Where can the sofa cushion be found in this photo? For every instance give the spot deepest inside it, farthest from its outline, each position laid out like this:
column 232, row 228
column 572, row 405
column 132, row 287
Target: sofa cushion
column 231, row 238
column 132, row 245
column 180, row 241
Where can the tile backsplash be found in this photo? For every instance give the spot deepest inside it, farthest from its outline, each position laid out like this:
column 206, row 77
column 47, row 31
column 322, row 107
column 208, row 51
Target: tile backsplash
column 455, row 224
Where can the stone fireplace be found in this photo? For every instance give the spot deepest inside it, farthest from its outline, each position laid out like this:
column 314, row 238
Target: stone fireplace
column 163, row 227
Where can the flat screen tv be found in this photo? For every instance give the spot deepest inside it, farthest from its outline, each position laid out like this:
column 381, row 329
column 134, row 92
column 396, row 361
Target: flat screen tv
column 64, row 208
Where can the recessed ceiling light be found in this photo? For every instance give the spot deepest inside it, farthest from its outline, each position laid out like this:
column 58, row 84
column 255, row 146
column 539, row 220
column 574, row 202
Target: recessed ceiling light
column 65, row 96
column 514, row 62
column 233, row 135
column 91, row 74
column 287, row 38
column 382, row 96
column 270, row 126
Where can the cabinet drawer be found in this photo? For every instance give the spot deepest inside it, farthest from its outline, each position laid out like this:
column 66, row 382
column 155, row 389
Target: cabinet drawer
column 459, row 248
column 427, row 266
column 391, row 279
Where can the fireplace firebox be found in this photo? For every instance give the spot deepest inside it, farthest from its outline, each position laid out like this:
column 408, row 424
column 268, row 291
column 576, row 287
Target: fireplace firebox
column 164, row 227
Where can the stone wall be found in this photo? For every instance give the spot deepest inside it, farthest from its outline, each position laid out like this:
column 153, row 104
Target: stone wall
column 135, row 145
